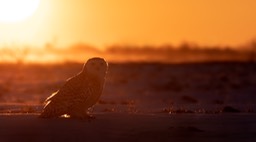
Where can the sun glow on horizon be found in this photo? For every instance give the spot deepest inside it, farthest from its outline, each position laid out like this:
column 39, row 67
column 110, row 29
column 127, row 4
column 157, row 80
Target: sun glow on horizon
column 17, row 10
column 61, row 24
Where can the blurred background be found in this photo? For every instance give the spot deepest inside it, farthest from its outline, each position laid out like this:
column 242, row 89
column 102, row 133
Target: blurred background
column 45, row 31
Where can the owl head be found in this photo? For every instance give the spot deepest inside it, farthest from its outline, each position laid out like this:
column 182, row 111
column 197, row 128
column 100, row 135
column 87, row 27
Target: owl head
column 96, row 67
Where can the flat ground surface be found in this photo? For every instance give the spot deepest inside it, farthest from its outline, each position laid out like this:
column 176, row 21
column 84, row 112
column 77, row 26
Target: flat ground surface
column 140, row 102
column 131, row 127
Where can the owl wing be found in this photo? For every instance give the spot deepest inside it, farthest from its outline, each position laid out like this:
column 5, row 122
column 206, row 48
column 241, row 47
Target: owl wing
column 69, row 91
column 74, row 91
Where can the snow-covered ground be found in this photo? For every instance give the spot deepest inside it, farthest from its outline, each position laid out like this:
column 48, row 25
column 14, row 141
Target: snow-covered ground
column 139, row 87
column 140, row 102
column 116, row 127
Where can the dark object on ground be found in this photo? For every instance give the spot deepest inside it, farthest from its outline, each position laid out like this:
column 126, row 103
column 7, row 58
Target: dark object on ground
column 229, row 109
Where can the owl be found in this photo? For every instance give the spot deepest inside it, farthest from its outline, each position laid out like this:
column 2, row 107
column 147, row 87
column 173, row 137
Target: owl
column 79, row 93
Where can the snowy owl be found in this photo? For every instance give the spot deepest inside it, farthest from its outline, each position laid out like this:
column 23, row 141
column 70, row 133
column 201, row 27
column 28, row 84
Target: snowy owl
column 79, row 93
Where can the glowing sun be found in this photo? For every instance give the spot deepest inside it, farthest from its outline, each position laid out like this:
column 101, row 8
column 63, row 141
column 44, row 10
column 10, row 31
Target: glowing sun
column 17, row 10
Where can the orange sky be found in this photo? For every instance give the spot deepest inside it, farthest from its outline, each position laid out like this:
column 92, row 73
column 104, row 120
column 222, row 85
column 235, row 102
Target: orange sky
column 157, row 22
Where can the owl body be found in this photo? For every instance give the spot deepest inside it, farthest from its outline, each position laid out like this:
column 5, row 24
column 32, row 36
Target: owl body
column 79, row 92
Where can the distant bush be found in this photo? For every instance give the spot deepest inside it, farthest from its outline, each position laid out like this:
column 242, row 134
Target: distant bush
column 79, row 52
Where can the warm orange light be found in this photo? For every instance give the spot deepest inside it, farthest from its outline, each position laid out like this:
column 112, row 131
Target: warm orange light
column 17, row 10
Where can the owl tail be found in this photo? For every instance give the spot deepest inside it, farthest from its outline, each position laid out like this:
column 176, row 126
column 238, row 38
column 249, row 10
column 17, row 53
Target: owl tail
column 50, row 111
